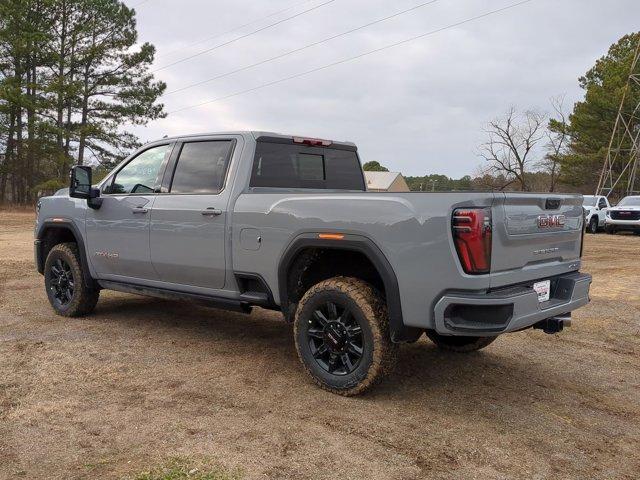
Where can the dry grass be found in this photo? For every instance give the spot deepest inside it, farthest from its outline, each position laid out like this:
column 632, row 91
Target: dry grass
column 186, row 469
column 142, row 381
column 20, row 209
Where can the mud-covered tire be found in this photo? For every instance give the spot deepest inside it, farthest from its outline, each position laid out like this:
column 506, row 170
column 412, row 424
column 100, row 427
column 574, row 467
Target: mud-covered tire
column 593, row 225
column 458, row 343
column 367, row 311
column 81, row 300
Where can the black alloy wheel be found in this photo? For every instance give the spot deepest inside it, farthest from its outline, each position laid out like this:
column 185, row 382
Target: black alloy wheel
column 341, row 332
column 69, row 292
column 335, row 338
column 61, row 283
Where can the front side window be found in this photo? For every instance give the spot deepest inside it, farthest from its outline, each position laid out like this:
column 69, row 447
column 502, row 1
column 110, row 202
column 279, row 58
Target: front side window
column 201, row 167
column 281, row 165
column 602, row 203
column 140, row 174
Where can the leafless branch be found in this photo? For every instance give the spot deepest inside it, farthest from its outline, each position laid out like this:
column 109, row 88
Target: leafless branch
column 511, row 140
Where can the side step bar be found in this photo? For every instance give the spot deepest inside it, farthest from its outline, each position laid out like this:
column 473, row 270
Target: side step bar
column 209, row 301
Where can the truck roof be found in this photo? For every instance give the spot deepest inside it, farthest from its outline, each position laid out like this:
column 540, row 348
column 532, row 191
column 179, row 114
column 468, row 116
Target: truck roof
column 255, row 134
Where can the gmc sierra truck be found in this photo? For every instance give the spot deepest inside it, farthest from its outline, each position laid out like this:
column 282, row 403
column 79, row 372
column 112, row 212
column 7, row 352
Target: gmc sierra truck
column 625, row 216
column 595, row 211
column 244, row 219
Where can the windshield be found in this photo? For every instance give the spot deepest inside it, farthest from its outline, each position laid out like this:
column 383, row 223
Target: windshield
column 589, row 201
column 629, row 202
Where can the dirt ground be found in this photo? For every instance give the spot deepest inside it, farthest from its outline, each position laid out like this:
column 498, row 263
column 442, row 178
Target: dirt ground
column 143, row 380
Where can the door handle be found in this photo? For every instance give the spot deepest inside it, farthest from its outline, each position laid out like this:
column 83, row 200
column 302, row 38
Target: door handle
column 139, row 210
column 211, row 212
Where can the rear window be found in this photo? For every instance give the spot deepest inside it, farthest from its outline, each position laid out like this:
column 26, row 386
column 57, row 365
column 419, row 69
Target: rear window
column 280, row 165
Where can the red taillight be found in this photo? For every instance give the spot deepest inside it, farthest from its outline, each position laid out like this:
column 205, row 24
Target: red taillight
column 316, row 142
column 472, row 236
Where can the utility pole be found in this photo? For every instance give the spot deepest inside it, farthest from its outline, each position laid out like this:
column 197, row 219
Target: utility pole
column 620, row 167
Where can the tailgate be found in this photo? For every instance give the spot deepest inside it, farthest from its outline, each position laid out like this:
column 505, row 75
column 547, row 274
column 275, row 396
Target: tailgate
column 535, row 235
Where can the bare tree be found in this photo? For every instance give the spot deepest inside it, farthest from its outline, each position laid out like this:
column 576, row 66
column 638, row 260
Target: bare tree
column 557, row 134
column 511, row 141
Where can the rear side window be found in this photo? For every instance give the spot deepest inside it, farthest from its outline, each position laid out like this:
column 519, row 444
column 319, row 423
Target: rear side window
column 201, row 167
column 280, row 165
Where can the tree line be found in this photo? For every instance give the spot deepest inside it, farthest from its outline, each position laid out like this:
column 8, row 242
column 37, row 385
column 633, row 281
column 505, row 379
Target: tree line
column 72, row 79
column 558, row 151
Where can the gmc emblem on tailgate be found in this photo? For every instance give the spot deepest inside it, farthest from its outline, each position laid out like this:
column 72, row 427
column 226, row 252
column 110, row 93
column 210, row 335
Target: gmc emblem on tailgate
column 548, row 221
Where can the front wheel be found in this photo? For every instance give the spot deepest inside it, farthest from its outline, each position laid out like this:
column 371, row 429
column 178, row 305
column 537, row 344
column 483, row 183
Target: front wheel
column 609, row 229
column 593, row 225
column 342, row 335
column 65, row 283
column 459, row 343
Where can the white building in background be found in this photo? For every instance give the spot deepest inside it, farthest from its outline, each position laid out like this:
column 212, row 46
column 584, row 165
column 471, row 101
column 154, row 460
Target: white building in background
column 385, row 182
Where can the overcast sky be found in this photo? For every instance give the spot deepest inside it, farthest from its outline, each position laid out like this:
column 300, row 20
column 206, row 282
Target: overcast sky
column 417, row 108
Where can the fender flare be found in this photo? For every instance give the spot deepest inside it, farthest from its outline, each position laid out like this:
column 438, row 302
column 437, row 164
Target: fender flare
column 63, row 224
column 358, row 243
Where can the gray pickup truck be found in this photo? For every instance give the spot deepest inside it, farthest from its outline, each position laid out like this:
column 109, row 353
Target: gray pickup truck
column 244, row 219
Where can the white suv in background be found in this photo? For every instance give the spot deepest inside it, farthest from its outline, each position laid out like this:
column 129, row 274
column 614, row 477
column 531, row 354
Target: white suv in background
column 595, row 208
column 624, row 216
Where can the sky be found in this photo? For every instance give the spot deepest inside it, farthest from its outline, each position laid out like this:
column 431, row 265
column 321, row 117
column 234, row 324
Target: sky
column 418, row 108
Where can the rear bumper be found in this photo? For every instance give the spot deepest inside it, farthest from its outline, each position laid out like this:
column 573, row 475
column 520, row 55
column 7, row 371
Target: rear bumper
column 509, row 309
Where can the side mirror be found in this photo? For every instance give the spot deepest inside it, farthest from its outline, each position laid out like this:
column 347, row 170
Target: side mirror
column 80, row 186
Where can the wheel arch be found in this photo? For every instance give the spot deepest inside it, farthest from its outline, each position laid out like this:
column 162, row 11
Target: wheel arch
column 348, row 243
column 52, row 233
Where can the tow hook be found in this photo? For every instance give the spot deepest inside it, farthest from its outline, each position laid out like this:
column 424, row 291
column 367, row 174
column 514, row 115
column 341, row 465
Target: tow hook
column 554, row 324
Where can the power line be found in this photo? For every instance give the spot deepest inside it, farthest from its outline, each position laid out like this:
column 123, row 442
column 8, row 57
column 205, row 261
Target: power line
column 349, row 59
column 242, row 36
column 234, row 29
column 333, row 37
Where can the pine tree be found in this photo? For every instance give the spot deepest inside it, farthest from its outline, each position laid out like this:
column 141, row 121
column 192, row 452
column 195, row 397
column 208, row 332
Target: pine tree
column 591, row 123
column 71, row 76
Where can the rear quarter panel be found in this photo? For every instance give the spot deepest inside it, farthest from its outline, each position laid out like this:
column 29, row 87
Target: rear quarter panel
column 411, row 229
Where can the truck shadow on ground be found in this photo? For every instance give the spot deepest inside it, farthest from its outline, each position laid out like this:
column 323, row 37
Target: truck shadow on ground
column 499, row 377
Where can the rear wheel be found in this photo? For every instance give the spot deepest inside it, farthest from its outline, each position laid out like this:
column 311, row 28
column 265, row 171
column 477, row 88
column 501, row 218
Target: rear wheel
column 342, row 335
column 593, row 225
column 459, row 343
column 65, row 283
